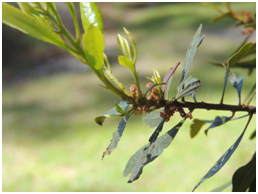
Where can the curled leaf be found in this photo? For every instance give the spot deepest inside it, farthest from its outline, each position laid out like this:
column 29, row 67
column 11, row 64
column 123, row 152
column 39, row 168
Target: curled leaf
column 218, row 121
column 125, row 47
column 192, row 86
column 113, row 112
column 237, row 81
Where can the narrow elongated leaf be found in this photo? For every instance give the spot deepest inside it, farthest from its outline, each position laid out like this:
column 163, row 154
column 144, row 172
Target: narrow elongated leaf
column 196, row 127
column 125, row 47
column 237, row 81
column 149, row 152
column 30, row 25
column 218, row 121
column 116, row 136
column 197, row 123
column 153, row 118
column 157, row 130
column 244, row 176
column 91, row 15
column 126, row 62
column 168, row 79
column 93, row 43
column 190, row 54
column 164, row 141
column 192, row 87
column 113, row 112
column 241, row 53
column 224, row 158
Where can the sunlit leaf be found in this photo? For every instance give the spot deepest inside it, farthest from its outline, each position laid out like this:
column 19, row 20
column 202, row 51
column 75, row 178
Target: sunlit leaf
column 126, row 62
column 116, row 136
column 125, row 47
column 196, row 127
column 91, row 15
column 113, row 112
column 149, row 152
column 93, row 44
column 30, row 25
column 244, row 176
column 168, row 79
column 241, row 53
column 224, row 158
column 190, row 55
column 237, row 81
column 153, row 118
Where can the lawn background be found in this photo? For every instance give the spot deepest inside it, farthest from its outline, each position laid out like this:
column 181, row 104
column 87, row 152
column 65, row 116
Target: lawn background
column 50, row 141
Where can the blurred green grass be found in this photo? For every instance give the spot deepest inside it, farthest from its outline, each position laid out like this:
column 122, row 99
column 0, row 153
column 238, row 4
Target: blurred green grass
column 51, row 143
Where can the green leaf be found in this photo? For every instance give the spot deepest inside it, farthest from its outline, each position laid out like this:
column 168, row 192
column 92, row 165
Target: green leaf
column 224, row 158
column 196, row 127
column 237, row 81
column 91, row 15
column 113, row 112
column 153, row 118
column 192, row 85
column 116, row 136
column 30, row 25
column 149, row 152
column 134, row 45
column 125, row 47
column 168, row 80
column 93, row 43
column 127, row 63
column 190, row 55
column 244, row 176
column 241, row 53
column 75, row 21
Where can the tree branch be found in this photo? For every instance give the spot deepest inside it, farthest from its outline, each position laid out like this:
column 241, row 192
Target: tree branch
column 209, row 106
